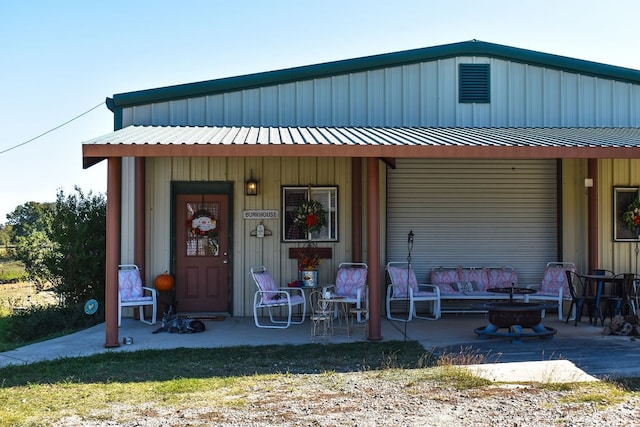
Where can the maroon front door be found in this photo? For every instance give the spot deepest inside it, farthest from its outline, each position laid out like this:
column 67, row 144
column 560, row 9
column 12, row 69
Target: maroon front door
column 202, row 245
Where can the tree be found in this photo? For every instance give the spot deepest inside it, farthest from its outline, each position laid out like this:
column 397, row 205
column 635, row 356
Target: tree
column 5, row 234
column 30, row 217
column 30, row 226
column 76, row 265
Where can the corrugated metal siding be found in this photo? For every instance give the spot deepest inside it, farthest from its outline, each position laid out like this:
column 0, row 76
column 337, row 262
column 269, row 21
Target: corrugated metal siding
column 474, row 213
column 423, row 94
column 273, row 172
column 616, row 256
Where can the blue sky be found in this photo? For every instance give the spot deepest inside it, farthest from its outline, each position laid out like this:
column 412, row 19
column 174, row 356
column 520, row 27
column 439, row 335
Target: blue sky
column 60, row 59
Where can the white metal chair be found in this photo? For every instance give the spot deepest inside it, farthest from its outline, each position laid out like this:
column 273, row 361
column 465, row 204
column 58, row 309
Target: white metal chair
column 270, row 296
column 404, row 286
column 351, row 286
column 554, row 286
column 131, row 293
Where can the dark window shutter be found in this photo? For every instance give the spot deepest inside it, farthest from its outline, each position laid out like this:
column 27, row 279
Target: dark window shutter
column 474, row 83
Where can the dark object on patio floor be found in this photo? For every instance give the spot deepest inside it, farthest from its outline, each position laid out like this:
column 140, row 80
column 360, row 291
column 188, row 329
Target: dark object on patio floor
column 173, row 324
column 623, row 325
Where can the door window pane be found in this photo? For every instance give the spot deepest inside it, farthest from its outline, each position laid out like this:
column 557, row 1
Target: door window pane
column 202, row 228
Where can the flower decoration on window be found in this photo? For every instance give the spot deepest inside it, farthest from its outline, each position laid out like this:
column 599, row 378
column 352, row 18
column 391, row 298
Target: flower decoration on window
column 631, row 217
column 309, row 262
column 311, row 216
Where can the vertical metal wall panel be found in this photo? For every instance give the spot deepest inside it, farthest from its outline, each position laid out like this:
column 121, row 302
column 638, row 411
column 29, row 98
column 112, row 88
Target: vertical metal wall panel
column 375, row 98
column 232, row 112
column 178, row 112
column 474, row 213
column 447, row 99
column 304, row 102
column 268, row 105
column 127, row 219
column 340, row 100
column 158, row 229
column 196, row 111
column 605, row 106
column 214, row 109
column 574, row 212
column 429, row 92
column 534, row 95
column 357, row 97
column 322, row 105
column 515, row 94
column 393, row 96
column 411, row 91
column 286, row 105
column 552, row 99
column 249, row 108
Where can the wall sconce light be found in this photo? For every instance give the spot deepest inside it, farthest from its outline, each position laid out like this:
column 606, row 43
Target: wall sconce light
column 588, row 182
column 251, row 186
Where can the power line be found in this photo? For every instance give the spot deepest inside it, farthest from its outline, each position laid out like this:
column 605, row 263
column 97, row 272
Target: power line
column 51, row 130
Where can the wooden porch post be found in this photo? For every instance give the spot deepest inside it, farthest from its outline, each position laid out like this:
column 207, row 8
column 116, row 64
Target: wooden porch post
column 592, row 220
column 112, row 251
column 373, row 241
column 356, row 210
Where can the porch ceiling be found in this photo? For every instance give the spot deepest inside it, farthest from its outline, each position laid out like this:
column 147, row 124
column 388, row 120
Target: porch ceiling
column 383, row 142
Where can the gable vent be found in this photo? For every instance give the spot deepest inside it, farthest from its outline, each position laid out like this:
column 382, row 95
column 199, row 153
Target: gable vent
column 473, row 83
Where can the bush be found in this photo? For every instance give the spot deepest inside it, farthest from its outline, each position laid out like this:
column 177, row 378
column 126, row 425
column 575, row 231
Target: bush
column 40, row 322
column 76, row 264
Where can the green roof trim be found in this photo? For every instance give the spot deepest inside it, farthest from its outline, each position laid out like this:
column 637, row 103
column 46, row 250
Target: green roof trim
column 468, row 48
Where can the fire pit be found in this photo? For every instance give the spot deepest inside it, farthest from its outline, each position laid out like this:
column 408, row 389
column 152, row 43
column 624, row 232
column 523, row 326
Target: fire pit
column 514, row 316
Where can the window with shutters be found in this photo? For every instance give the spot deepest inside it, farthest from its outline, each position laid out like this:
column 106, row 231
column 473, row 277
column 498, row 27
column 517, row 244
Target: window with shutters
column 473, row 83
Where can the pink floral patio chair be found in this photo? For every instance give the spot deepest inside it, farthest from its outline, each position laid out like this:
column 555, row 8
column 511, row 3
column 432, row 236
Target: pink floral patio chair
column 269, row 296
column 351, row 286
column 131, row 293
column 404, row 287
column 554, row 285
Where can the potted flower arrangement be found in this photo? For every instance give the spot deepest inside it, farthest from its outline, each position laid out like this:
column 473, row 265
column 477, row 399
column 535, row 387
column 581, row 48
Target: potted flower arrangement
column 308, row 265
column 631, row 217
column 310, row 262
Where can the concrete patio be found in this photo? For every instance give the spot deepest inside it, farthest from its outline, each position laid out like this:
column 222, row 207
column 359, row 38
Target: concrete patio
column 575, row 353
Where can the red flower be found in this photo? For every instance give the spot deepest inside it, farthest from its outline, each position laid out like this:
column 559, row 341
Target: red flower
column 636, row 219
column 312, row 220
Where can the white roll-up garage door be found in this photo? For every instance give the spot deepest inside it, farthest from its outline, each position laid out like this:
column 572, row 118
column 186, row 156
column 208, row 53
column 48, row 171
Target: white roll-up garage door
column 473, row 213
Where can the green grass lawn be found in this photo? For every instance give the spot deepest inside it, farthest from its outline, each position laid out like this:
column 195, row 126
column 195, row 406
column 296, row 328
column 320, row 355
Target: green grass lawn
column 121, row 387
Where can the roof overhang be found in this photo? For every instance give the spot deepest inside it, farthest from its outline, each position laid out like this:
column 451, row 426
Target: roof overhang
column 387, row 143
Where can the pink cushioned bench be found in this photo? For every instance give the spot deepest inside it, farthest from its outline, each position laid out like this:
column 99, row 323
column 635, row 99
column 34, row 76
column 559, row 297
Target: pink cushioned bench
column 470, row 284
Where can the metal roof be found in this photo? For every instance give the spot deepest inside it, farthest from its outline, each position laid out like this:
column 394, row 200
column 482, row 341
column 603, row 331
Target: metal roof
column 178, row 141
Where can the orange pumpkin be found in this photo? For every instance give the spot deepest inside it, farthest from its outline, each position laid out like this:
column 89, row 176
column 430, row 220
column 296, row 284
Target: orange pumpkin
column 164, row 282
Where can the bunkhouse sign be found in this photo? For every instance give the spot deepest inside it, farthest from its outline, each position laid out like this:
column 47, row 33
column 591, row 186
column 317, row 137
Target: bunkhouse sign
column 260, row 214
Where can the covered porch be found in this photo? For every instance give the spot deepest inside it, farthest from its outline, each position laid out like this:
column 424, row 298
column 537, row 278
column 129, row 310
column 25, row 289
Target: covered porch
column 369, row 151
